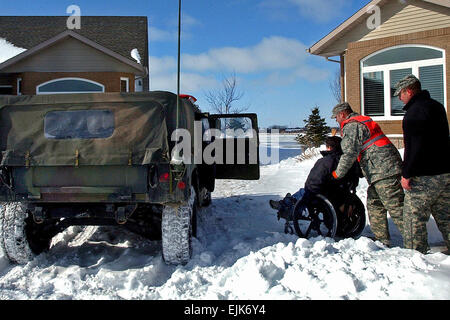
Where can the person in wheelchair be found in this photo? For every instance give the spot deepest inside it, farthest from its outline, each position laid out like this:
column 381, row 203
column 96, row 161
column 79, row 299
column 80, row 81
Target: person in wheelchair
column 321, row 182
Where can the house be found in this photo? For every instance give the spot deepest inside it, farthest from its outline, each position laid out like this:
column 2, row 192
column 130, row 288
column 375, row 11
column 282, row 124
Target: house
column 42, row 56
column 383, row 42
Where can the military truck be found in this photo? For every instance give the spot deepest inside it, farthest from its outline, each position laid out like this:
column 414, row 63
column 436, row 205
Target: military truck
column 109, row 159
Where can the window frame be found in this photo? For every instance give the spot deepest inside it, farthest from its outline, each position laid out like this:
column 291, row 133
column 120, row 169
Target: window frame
column 68, row 92
column 19, row 86
column 386, row 68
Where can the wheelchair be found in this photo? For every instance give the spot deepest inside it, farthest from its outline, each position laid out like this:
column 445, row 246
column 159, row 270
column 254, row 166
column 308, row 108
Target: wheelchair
column 341, row 215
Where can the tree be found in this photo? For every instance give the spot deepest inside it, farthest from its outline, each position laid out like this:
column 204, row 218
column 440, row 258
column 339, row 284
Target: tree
column 335, row 86
column 316, row 130
column 238, row 123
column 223, row 101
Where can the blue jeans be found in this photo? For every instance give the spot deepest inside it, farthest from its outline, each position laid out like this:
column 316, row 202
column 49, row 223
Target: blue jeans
column 299, row 194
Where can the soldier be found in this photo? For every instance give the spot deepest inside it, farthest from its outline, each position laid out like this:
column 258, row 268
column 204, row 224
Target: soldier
column 426, row 166
column 380, row 161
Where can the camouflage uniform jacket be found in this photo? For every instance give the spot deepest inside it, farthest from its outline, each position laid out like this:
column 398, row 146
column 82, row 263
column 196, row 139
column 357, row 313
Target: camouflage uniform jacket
column 376, row 163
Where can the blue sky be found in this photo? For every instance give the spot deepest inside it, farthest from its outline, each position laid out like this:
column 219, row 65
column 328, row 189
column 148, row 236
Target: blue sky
column 262, row 42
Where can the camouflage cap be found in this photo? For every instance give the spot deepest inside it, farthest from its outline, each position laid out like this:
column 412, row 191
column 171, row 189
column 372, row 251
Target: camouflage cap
column 404, row 83
column 340, row 107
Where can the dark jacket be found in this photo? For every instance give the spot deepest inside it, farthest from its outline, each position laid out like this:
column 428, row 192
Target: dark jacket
column 320, row 179
column 426, row 137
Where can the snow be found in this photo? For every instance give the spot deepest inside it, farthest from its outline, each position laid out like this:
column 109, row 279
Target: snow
column 135, row 55
column 241, row 253
column 8, row 50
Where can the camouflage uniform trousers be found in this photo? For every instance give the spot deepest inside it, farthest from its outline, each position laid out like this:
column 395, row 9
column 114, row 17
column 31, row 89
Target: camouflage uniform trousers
column 429, row 195
column 383, row 196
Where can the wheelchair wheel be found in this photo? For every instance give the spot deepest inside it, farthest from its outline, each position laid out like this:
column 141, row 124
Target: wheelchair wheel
column 353, row 220
column 317, row 218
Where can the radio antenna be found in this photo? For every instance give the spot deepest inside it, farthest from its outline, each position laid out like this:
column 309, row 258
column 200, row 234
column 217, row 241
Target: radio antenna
column 178, row 66
column 176, row 161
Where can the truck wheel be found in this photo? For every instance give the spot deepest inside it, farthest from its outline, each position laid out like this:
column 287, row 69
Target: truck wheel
column 177, row 227
column 20, row 238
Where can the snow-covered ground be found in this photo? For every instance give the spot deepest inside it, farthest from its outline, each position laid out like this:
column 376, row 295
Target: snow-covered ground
column 241, row 253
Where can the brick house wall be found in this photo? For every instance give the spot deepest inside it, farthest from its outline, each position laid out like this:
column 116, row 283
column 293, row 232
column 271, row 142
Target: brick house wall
column 356, row 51
column 111, row 80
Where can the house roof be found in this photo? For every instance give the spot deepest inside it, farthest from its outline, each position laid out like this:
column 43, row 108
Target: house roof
column 118, row 34
column 63, row 35
column 319, row 48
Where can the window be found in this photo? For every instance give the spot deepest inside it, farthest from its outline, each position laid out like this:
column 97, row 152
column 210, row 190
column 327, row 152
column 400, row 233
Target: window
column 402, row 54
column 69, row 85
column 124, row 85
column 79, row 124
column 432, row 79
column 396, row 104
column 19, row 86
column 374, row 93
column 138, row 85
column 238, row 127
column 382, row 70
column 4, row 89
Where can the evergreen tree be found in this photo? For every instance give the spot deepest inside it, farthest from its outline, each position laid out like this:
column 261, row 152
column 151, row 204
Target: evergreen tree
column 316, row 130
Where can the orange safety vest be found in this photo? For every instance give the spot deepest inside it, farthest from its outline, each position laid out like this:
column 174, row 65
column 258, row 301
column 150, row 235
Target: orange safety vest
column 377, row 136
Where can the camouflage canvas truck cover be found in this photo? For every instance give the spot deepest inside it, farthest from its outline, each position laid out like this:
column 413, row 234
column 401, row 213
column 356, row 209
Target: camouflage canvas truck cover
column 103, row 159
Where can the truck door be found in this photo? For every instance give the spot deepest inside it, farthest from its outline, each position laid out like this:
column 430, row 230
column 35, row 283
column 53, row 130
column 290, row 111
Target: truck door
column 235, row 146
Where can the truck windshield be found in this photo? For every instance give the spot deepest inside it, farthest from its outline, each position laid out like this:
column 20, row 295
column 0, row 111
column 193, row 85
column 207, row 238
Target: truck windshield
column 79, row 124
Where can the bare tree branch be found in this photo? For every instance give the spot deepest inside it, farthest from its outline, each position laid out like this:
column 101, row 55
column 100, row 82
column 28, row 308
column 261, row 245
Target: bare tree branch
column 335, row 86
column 223, row 100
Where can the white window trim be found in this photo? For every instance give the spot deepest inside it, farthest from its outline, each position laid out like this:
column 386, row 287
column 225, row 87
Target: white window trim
column 17, row 87
column 414, row 65
column 60, row 79
column 344, row 60
column 128, row 83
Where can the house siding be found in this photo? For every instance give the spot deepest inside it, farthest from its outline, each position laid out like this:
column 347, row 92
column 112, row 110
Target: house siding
column 416, row 16
column 356, row 51
column 396, row 19
column 69, row 55
column 111, row 80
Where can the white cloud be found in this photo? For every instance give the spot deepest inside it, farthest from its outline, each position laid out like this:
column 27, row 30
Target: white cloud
column 171, row 33
column 274, row 60
column 156, row 34
column 163, row 76
column 162, row 65
column 320, row 11
column 272, row 53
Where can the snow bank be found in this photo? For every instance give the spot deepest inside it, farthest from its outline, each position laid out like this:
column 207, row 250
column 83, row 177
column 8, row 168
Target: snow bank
column 241, row 252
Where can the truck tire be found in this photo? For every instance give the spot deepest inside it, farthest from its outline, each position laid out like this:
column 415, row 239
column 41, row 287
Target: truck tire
column 20, row 238
column 176, row 230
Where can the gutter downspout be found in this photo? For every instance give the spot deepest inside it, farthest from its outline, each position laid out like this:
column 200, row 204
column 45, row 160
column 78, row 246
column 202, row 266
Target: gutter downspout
column 342, row 68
